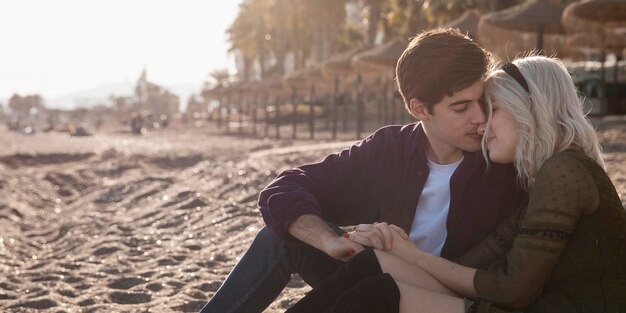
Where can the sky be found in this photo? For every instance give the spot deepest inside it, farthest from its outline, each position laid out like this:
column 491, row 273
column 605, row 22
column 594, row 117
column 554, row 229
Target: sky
column 58, row 47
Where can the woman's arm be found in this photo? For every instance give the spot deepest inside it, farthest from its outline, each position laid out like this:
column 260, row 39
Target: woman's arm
column 455, row 277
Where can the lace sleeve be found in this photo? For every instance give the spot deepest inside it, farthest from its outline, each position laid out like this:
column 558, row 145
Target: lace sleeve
column 564, row 190
column 495, row 246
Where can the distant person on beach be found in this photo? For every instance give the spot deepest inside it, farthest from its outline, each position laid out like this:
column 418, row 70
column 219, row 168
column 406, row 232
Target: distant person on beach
column 428, row 178
column 137, row 123
column 563, row 251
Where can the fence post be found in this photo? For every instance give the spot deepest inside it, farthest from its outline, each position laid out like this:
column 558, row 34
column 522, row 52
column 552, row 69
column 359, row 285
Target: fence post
column 267, row 115
column 294, row 116
column 220, row 107
column 359, row 107
column 312, row 112
column 334, row 103
column 240, row 109
column 228, row 108
column 255, row 100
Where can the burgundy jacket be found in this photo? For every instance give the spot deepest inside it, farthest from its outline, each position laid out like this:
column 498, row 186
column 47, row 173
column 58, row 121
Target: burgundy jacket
column 381, row 178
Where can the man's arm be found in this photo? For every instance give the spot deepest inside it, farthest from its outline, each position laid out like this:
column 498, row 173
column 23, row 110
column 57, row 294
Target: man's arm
column 312, row 230
column 337, row 189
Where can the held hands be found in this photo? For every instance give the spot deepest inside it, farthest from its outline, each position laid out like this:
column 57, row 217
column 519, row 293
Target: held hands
column 402, row 247
column 341, row 248
column 381, row 236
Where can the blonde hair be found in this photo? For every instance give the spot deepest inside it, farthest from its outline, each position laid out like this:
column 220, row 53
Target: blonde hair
column 549, row 120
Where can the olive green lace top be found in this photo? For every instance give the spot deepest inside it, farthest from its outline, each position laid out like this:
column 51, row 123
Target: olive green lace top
column 564, row 251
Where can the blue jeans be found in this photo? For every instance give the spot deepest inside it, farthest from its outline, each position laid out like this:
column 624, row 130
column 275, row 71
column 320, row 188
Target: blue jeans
column 264, row 271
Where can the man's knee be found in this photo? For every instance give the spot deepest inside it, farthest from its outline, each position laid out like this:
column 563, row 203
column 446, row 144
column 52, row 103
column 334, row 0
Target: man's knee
column 266, row 239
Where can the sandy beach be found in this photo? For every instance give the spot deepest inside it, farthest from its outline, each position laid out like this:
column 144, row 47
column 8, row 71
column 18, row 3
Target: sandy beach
column 122, row 223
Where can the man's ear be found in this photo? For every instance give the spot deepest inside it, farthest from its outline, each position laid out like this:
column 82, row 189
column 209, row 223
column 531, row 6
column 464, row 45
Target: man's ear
column 419, row 110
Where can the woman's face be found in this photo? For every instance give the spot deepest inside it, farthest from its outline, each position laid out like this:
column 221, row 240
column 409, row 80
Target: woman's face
column 502, row 135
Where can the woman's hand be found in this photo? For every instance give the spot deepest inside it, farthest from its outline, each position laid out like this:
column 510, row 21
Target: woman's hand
column 376, row 235
column 404, row 248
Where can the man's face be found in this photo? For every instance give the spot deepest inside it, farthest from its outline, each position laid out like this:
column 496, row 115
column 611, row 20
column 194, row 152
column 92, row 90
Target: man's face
column 453, row 123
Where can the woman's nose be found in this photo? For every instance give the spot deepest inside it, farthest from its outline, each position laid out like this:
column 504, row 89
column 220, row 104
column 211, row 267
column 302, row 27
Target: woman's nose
column 481, row 128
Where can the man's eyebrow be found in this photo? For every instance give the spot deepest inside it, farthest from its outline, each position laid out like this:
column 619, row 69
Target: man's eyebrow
column 459, row 102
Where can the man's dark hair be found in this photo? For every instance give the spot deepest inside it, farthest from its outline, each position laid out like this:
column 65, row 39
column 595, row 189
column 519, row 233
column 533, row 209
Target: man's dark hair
column 439, row 62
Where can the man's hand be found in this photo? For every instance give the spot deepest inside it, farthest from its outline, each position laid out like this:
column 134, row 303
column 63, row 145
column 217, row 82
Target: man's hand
column 341, row 248
column 314, row 231
column 376, row 235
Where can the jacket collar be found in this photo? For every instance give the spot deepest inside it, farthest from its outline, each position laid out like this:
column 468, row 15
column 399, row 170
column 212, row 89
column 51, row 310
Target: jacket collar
column 416, row 140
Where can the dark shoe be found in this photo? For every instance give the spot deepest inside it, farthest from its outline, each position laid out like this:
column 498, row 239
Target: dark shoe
column 362, row 265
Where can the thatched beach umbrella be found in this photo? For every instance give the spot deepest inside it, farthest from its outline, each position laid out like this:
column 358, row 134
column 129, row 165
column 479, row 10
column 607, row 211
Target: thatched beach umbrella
column 239, row 92
column 595, row 15
column 217, row 93
column 225, row 106
column 340, row 71
column 304, row 82
column 272, row 86
column 340, row 65
column 600, row 18
column 303, row 79
column 612, row 40
column 533, row 16
column 467, row 23
column 371, row 65
column 274, row 93
column 380, row 58
column 212, row 93
column 253, row 100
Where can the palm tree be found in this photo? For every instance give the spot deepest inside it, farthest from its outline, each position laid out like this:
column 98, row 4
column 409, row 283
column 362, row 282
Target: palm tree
column 247, row 37
column 218, row 78
column 273, row 28
column 374, row 12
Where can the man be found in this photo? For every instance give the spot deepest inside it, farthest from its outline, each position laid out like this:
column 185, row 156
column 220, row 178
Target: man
column 427, row 178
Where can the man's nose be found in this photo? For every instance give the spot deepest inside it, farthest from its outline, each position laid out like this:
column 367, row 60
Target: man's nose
column 481, row 129
column 478, row 115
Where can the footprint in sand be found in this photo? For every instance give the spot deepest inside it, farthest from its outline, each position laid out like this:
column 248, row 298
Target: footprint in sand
column 155, row 287
column 36, row 304
column 193, row 247
column 45, row 278
column 189, row 306
column 73, row 279
column 195, row 203
column 68, row 293
column 167, row 261
column 4, row 296
column 83, row 286
column 126, row 283
column 129, row 297
column 177, row 222
column 87, row 302
column 210, row 286
column 104, row 250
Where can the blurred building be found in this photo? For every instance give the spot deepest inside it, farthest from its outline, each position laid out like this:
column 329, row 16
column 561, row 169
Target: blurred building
column 196, row 108
column 154, row 99
column 24, row 107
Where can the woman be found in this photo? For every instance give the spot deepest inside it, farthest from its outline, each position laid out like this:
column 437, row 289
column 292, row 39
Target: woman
column 564, row 251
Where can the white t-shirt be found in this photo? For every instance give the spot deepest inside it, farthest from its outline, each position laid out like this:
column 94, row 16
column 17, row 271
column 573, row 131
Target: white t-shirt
column 428, row 231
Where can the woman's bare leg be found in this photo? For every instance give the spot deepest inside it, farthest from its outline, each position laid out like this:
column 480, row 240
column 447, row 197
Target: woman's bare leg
column 414, row 299
column 411, row 274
